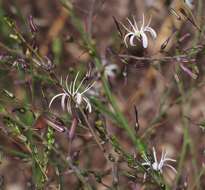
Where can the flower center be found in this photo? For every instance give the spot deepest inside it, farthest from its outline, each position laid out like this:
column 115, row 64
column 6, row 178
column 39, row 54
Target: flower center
column 155, row 166
column 138, row 34
column 78, row 98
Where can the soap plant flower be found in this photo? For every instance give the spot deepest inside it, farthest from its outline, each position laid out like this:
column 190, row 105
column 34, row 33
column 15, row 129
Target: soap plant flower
column 74, row 95
column 139, row 34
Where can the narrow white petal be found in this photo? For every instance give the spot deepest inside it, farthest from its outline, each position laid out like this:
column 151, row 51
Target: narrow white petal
column 169, row 159
column 162, row 159
column 143, row 22
column 63, row 101
column 135, row 24
column 165, row 155
column 125, row 27
column 127, row 36
column 149, row 22
column 74, row 83
column 66, row 84
column 133, row 27
column 61, row 80
column 155, row 156
column 88, row 104
column 70, row 89
column 56, row 96
column 173, row 169
column 88, row 88
column 152, row 32
column 144, row 40
column 79, row 86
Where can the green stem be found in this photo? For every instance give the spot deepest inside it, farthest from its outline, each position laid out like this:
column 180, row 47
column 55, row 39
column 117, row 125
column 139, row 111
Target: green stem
column 124, row 124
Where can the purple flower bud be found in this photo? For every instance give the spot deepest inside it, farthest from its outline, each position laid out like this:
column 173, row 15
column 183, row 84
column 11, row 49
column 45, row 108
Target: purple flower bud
column 32, row 25
column 188, row 71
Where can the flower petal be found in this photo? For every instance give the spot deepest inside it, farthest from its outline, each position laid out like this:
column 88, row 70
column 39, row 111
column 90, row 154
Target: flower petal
column 127, row 36
column 155, row 156
column 88, row 87
column 88, row 105
column 152, row 32
column 132, row 40
column 135, row 24
column 125, row 27
column 69, row 106
column 74, row 83
column 63, row 101
column 56, row 96
column 143, row 22
column 133, row 27
column 144, row 40
column 171, row 167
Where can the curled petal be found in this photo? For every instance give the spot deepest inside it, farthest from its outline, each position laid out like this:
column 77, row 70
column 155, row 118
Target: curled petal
column 63, row 101
column 171, row 167
column 152, row 32
column 132, row 40
column 144, row 40
column 127, row 36
column 169, row 159
column 56, row 96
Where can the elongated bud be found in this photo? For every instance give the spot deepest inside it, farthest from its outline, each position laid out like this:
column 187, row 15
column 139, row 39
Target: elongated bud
column 56, row 126
column 44, row 121
column 73, row 128
column 188, row 71
column 137, row 126
column 32, row 25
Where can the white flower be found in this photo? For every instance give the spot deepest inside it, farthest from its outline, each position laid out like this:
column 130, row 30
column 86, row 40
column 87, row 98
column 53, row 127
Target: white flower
column 72, row 93
column 110, row 69
column 140, row 35
column 189, row 3
column 158, row 165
